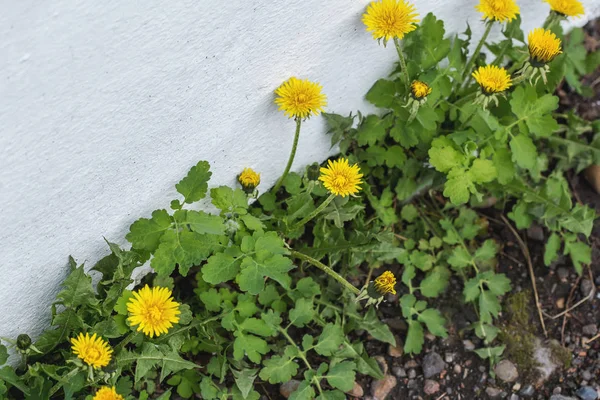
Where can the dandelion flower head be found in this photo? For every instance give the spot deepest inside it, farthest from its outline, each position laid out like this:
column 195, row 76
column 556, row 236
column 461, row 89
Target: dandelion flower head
column 107, row 393
column 492, row 79
column 385, row 283
column 93, row 350
column 543, row 45
column 249, row 178
column 340, row 178
column 568, row 8
column 420, row 89
column 300, row 98
column 389, row 19
column 498, row 10
column 153, row 310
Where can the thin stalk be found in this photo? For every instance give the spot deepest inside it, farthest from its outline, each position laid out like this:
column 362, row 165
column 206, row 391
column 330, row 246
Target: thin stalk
column 327, row 270
column 314, row 213
column 292, row 155
column 402, row 62
column 466, row 72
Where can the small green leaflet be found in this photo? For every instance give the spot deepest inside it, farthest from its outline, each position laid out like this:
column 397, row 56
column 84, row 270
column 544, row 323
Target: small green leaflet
column 194, row 186
column 341, row 376
column 524, row 152
column 552, row 248
column 280, row 369
column 145, row 234
column 330, row 340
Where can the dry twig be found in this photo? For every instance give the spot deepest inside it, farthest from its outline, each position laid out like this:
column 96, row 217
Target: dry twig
column 525, row 251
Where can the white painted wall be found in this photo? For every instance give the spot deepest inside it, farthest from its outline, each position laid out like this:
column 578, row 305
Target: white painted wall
column 104, row 106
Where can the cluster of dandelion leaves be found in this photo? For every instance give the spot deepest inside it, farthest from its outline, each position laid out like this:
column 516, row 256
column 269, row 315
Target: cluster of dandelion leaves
column 285, row 283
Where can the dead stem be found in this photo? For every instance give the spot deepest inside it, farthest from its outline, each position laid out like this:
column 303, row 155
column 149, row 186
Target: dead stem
column 525, row 251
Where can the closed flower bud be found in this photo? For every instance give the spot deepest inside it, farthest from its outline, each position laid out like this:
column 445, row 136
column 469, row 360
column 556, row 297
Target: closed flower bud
column 313, row 172
column 249, row 180
column 23, row 342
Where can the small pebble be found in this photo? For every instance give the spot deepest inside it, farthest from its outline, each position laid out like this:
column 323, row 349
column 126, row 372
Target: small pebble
column 493, row 392
column 382, row 364
column 457, row 369
column 395, row 351
column 357, row 391
column 586, row 287
column 506, row 371
column 590, row 329
column 514, row 397
column 433, row 364
column 562, row 273
column 469, row 346
column 449, row 357
column 587, row 393
column 382, row 387
column 399, row 372
column 286, row 389
column 412, row 374
column 560, row 303
column 431, row 387
column 527, row 391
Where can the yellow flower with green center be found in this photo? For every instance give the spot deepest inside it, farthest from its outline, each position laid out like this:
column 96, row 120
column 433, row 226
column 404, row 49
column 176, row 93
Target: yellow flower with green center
column 389, row 19
column 420, row 89
column 385, row 283
column 249, row 179
column 543, row 45
column 93, row 350
column 300, row 98
column 492, row 79
column 340, row 178
column 498, row 10
column 107, row 393
column 568, row 8
column 153, row 310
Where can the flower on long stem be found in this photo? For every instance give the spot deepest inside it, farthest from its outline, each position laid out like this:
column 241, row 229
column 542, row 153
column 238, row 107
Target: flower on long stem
column 543, row 46
column 107, row 393
column 567, row 8
column 154, row 310
column 300, row 98
column 93, row 350
column 390, row 19
column 498, row 10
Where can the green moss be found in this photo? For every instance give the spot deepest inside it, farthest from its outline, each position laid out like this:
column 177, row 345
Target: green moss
column 560, row 354
column 518, row 335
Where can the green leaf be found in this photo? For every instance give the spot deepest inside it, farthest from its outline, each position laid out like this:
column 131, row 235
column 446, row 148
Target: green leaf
column 504, row 166
column 245, row 380
column 414, row 338
column 580, row 254
column 330, row 339
column 194, row 186
column 434, row 322
column 77, row 290
column 382, row 93
column 280, row 369
column 487, row 251
column 185, row 249
column 552, row 247
column 201, row 222
column 483, row 171
column 254, row 270
column 337, row 125
column 249, row 345
column 338, row 212
column 8, row 375
column 459, row 186
column 308, row 287
column 520, row 215
column 304, row 392
column 373, row 129
column 445, row 158
column 168, row 360
column 211, row 299
column 524, row 152
column 222, row 267
column 331, row 395
column 303, row 313
column 229, row 200
column 435, row 282
column 460, row 258
column 535, row 112
column 376, row 328
column 472, row 289
column 3, row 354
column 145, row 234
column 341, row 376
column 489, row 306
column 409, row 213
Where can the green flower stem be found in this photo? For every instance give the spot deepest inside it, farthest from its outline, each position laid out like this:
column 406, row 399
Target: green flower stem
column 518, row 80
column 466, row 72
column 327, row 270
column 292, row 155
column 315, row 212
column 402, row 62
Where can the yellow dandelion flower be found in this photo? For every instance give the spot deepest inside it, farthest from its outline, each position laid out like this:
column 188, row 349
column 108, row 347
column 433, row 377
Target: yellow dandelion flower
column 300, row 98
column 492, row 79
column 93, row 350
column 420, row 89
column 340, row 178
column 543, row 45
column 385, row 283
column 388, row 19
column 249, row 179
column 107, row 393
column 568, row 8
column 498, row 10
column 154, row 310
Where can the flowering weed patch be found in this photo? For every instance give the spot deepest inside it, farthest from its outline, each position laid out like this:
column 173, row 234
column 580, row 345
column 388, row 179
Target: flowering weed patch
column 285, row 283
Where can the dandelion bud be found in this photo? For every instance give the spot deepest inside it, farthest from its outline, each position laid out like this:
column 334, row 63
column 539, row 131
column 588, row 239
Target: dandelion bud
column 23, row 342
column 313, row 172
column 249, row 180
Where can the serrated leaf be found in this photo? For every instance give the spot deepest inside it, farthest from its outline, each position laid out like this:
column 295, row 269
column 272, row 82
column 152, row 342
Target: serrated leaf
column 201, row 222
column 524, row 152
column 341, row 376
column 435, row 282
column 253, row 272
column 245, row 380
column 376, row 328
column 487, row 251
column 249, row 345
column 373, row 129
column 414, row 338
column 184, row 249
column 459, row 186
column 483, row 171
column 330, row 339
column 382, row 93
column 279, row 369
column 304, row 392
column 229, row 200
column 194, row 186
column 434, row 322
column 580, row 254
column 445, row 158
column 460, row 258
column 504, row 166
column 472, row 289
column 145, row 234
column 489, row 306
column 222, row 267
column 536, row 112
column 551, row 249
column 303, row 313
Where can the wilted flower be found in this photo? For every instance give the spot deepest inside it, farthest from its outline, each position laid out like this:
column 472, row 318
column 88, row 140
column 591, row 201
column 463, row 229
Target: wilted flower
column 385, row 283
